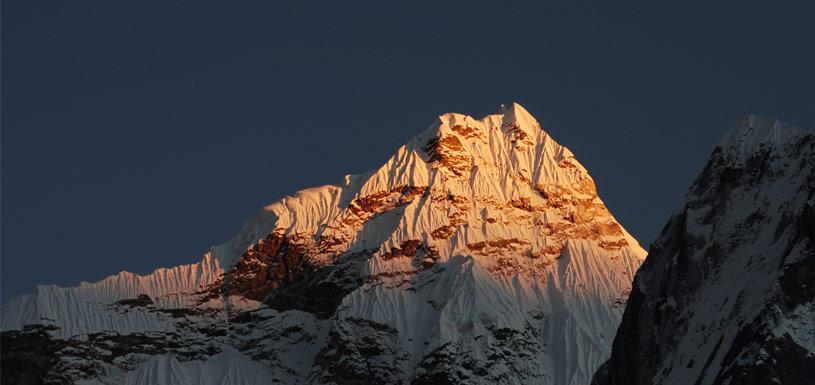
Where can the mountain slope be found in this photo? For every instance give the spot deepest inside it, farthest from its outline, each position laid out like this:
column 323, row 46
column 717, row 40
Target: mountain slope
column 726, row 294
column 479, row 252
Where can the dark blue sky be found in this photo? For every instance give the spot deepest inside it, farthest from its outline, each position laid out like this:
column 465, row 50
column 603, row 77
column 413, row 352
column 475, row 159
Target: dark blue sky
column 137, row 134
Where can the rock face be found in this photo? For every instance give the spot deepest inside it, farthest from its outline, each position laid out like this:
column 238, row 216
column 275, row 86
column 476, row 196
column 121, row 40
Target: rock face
column 726, row 293
column 479, row 253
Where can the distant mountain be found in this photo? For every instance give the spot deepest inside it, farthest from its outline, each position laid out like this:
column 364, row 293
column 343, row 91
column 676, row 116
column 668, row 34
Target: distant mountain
column 479, row 253
column 726, row 295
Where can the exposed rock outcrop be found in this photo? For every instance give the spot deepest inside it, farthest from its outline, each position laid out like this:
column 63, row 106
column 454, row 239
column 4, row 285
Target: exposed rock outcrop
column 726, row 294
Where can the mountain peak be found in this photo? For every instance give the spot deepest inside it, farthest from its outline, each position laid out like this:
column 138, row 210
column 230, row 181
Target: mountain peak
column 518, row 115
column 464, row 247
column 751, row 132
column 511, row 144
column 734, row 262
column 512, row 117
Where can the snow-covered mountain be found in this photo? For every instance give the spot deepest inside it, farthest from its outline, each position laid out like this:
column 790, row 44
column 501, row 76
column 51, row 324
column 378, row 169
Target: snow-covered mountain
column 479, row 252
column 727, row 293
